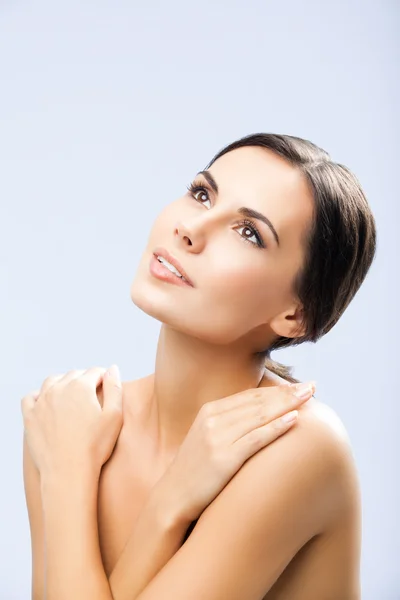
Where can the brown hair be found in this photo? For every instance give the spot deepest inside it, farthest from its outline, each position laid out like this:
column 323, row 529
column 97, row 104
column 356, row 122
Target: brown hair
column 341, row 243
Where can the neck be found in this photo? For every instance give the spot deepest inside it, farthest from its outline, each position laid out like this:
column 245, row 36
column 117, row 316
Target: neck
column 189, row 373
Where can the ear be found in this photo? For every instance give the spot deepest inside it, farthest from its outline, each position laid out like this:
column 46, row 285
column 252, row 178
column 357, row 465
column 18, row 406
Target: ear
column 289, row 323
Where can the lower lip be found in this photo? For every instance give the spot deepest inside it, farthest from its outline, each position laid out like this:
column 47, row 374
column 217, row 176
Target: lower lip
column 161, row 272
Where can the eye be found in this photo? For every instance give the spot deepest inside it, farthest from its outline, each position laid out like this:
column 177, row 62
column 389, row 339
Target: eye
column 250, row 226
column 195, row 188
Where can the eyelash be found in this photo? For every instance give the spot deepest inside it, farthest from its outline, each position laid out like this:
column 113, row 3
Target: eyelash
column 194, row 188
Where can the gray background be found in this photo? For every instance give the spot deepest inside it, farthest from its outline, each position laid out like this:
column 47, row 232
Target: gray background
column 107, row 110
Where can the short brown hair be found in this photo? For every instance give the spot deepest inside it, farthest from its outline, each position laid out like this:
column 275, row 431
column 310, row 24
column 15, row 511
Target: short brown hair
column 341, row 243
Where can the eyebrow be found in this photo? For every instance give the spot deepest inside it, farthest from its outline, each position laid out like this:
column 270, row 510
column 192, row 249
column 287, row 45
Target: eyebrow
column 243, row 210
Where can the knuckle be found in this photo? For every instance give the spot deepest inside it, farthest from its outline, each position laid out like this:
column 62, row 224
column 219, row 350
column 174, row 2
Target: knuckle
column 75, row 373
column 210, row 423
column 290, row 393
column 207, row 410
column 287, row 396
column 252, row 436
column 253, row 439
column 277, row 424
column 48, row 382
column 262, row 415
column 78, row 384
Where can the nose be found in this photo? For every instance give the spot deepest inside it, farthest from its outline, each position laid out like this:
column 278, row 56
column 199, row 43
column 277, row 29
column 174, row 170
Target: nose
column 192, row 236
column 194, row 233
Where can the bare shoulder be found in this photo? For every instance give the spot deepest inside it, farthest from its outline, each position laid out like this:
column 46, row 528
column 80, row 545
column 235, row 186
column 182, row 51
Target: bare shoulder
column 328, row 565
column 347, row 513
column 291, row 492
column 323, row 421
column 319, row 446
column 319, row 426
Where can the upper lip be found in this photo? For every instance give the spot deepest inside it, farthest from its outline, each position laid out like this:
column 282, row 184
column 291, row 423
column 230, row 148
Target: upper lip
column 175, row 262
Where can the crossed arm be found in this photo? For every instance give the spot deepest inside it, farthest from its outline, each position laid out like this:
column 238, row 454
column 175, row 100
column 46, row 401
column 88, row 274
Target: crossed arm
column 280, row 498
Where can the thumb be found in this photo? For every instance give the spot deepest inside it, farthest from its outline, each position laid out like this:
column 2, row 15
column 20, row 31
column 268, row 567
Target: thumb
column 112, row 389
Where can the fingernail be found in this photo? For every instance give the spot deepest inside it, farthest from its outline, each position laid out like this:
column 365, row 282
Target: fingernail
column 303, row 390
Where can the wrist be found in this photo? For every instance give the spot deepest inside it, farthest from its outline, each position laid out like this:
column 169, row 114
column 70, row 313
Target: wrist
column 82, row 475
column 168, row 511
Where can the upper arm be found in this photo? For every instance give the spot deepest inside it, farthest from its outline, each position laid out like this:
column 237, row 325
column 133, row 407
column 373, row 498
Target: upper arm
column 280, row 498
column 34, row 506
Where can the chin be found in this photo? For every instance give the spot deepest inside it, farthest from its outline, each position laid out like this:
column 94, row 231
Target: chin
column 143, row 297
column 150, row 300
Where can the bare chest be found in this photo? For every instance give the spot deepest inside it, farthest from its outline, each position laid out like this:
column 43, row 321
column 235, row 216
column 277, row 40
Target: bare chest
column 125, row 484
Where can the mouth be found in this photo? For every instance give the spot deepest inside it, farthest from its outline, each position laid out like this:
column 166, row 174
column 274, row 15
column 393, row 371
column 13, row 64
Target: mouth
column 161, row 271
column 172, row 265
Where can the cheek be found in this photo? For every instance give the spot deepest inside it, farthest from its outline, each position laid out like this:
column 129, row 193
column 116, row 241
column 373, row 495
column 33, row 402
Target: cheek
column 233, row 276
column 237, row 288
column 248, row 292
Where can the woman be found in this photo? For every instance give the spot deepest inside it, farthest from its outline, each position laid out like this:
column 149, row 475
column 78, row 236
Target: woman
column 193, row 500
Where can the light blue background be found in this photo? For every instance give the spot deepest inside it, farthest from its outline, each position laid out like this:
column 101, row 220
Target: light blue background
column 107, row 110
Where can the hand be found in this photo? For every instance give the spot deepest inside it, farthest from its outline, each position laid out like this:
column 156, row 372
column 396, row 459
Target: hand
column 65, row 425
column 225, row 433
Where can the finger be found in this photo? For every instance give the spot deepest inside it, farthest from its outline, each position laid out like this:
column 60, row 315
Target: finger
column 243, row 398
column 112, row 390
column 50, row 381
column 73, row 374
column 258, row 438
column 277, row 397
column 94, row 376
column 241, row 421
column 27, row 403
column 250, row 396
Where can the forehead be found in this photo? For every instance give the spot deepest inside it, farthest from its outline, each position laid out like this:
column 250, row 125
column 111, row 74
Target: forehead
column 259, row 178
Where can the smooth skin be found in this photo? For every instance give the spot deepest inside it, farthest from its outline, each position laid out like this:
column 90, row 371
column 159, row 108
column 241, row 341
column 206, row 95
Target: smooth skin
column 67, row 456
column 242, row 298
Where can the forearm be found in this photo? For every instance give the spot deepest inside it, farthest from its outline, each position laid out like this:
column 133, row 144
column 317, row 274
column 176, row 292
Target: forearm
column 73, row 564
column 157, row 535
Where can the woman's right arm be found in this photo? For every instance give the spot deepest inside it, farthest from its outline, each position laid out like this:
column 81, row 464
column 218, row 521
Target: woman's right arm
column 155, row 539
column 34, row 506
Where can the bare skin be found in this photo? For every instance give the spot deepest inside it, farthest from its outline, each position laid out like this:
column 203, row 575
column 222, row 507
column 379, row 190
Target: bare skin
column 128, row 477
column 327, row 566
column 241, row 300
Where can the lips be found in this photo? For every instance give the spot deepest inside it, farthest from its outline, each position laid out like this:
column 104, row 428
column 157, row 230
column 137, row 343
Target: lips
column 174, row 261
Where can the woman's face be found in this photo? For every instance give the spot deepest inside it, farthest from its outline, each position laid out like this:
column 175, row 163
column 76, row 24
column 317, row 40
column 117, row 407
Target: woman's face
column 242, row 276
